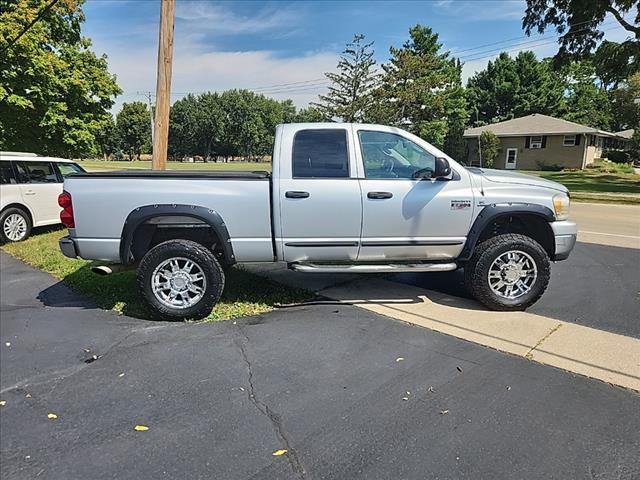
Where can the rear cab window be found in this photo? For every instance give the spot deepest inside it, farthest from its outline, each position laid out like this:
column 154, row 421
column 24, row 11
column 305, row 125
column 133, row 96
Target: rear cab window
column 320, row 153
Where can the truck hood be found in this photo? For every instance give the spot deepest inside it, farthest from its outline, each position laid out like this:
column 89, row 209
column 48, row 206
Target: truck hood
column 505, row 176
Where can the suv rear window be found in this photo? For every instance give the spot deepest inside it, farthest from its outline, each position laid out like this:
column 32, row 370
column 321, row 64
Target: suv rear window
column 7, row 176
column 320, row 154
column 36, row 172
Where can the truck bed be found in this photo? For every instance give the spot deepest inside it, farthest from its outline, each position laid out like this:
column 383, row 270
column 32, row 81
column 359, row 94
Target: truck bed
column 102, row 201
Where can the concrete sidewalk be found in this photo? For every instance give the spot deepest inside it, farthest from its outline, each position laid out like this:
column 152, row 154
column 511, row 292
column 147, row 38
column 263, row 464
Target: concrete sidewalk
column 587, row 351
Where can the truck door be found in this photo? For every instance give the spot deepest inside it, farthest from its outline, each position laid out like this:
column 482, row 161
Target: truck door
column 318, row 195
column 405, row 218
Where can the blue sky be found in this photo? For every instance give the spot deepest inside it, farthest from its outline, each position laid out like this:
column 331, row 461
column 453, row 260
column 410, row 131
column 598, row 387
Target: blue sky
column 248, row 44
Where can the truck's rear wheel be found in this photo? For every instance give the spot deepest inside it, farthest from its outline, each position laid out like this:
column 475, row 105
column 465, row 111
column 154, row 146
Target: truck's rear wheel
column 180, row 280
column 508, row 272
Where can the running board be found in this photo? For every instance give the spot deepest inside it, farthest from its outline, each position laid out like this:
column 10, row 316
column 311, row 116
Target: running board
column 373, row 268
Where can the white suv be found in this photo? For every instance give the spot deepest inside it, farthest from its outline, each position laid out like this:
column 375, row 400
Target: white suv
column 29, row 189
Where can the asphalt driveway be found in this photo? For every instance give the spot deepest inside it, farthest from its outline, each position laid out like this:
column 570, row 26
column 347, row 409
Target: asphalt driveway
column 597, row 286
column 347, row 393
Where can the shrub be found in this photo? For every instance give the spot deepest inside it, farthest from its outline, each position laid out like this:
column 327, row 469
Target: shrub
column 549, row 168
column 617, row 156
column 489, row 144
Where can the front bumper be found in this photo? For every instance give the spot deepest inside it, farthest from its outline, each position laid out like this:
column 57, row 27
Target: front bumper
column 565, row 233
column 68, row 247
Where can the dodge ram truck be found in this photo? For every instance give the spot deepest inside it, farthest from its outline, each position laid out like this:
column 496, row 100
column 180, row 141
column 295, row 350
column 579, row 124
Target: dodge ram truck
column 340, row 198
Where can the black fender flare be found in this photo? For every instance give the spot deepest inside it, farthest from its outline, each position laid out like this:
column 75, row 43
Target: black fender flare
column 491, row 212
column 145, row 213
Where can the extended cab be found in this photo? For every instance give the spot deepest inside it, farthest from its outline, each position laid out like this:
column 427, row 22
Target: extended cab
column 340, row 198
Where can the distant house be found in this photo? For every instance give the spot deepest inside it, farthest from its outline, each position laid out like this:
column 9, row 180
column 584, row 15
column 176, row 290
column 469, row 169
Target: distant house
column 536, row 141
column 624, row 138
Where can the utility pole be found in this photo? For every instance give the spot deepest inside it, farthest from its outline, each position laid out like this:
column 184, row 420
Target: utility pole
column 163, row 86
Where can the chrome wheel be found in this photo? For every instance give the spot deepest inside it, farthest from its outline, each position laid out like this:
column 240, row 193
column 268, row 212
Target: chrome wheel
column 178, row 282
column 512, row 274
column 15, row 227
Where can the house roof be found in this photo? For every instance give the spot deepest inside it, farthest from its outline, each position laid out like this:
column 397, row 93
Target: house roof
column 535, row 124
column 626, row 133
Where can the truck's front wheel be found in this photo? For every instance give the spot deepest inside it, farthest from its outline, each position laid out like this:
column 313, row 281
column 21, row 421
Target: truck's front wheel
column 508, row 272
column 180, row 280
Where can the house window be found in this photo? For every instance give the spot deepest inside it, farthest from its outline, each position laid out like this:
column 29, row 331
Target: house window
column 569, row 141
column 536, row 141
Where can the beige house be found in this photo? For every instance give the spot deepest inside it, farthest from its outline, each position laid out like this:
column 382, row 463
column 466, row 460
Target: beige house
column 536, row 141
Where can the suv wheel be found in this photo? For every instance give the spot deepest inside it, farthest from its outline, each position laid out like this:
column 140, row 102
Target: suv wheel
column 15, row 225
column 180, row 280
column 508, row 272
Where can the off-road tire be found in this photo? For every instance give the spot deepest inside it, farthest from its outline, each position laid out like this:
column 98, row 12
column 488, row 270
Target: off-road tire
column 477, row 269
column 195, row 252
column 15, row 211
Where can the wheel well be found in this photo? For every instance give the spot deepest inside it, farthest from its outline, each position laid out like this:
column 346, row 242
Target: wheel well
column 21, row 207
column 162, row 228
column 533, row 226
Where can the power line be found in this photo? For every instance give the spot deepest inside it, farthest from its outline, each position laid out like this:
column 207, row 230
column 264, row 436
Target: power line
column 455, row 52
column 518, row 48
column 42, row 13
column 553, row 40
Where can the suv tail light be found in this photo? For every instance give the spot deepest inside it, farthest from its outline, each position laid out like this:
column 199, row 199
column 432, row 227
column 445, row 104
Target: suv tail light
column 66, row 215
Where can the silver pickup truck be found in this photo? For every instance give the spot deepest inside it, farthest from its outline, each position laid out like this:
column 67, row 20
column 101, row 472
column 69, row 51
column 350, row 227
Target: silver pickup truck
column 340, row 198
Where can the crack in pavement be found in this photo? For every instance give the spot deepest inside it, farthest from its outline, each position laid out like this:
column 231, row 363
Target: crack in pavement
column 529, row 354
column 264, row 409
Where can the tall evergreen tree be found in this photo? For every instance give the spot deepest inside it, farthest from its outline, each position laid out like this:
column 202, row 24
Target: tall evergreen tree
column 422, row 90
column 349, row 92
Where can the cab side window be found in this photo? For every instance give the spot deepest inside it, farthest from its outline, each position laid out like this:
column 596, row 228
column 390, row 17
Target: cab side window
column 387, row 155
column 320, row 154
column 7, row 176
column 36, row 172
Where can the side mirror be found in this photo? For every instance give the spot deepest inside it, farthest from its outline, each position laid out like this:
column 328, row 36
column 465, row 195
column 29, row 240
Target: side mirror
column 443, row 169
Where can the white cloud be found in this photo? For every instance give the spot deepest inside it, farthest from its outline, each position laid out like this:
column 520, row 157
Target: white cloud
column 219, row 20
column 474, row 11
column 196, row 71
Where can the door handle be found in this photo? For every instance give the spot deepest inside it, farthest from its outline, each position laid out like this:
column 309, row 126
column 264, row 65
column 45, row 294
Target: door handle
column 379, row 195
column 294, row 194
column 29, row 192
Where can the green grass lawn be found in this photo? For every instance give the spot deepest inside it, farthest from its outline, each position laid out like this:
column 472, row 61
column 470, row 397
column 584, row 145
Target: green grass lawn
column 604, row 182
column 244, row 294
column 102, row 166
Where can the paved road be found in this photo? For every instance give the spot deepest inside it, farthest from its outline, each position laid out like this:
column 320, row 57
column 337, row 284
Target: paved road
column 615, row 225
column 322, row 382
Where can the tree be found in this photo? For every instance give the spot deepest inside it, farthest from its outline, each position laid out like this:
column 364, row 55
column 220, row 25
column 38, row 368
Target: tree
column 54, row 91
column 489, row 145
column 309, row 115
column 579, row 22
column 134, row 128
column 107, row 139
column 421, row 89
column 349, row 92
column 585, row 102
column 515, row 87
column 626, row 106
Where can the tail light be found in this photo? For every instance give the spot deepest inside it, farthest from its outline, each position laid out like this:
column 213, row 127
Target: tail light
column 66, row 215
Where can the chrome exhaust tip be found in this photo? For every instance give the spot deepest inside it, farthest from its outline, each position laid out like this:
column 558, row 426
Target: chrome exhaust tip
column 102, row 270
